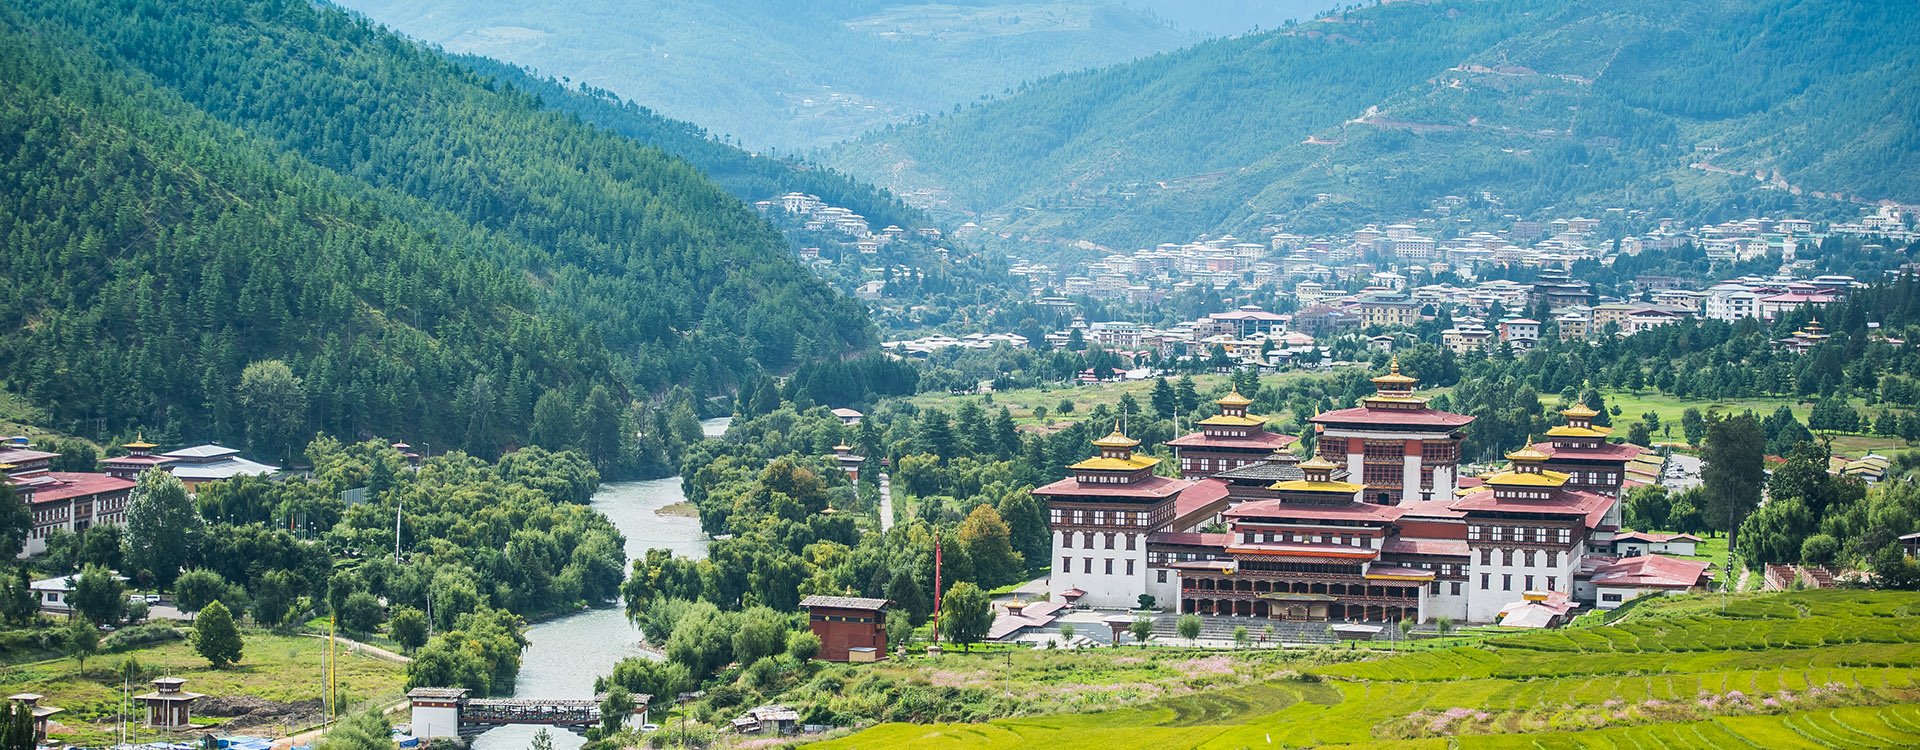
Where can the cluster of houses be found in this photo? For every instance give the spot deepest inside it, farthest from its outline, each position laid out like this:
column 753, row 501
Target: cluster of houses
column 75, row 500
column 1252, row 335
column 817, row 215
column 1228, row 262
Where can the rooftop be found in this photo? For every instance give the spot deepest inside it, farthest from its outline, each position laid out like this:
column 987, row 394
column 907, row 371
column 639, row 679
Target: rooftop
column 844, row 602
column 1655, row 571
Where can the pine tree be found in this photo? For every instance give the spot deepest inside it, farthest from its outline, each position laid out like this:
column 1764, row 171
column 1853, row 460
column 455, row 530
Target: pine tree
column 1163, row 399
column 215, row 637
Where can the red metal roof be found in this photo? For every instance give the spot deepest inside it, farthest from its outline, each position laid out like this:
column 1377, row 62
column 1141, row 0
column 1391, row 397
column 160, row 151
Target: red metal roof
column 1190, row 539
column 1606, row 452
column 20, row 456
column 69, row 485
column 1434, row 508
column 148, row 460
column 1648, row 536
column 1405, row 546
column 1151, row 487
column 1282, row 510
column 1301, row 549
column 1657, row 571
column 1197, row 497
column 1267, row 441
column 1592, row 506
column 1397, row 417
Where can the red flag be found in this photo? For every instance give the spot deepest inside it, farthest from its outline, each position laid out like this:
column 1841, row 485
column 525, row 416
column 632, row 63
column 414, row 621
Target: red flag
column 936, row 587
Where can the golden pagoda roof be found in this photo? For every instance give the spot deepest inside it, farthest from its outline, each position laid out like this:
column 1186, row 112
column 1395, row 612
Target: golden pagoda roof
column 1103, row 463
column 1393, row 375
column 1234, row 399
column 1585, row 432
column 1579, row 411
column 1116, row 439
column 1250, row 420
column 1305, row 485
column 1541, row 478
column 1318, row 462
column 1527, row 453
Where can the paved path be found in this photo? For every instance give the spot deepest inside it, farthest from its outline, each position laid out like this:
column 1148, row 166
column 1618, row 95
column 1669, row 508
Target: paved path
column 886, row 502
column 351, row 646
column 1683, row 472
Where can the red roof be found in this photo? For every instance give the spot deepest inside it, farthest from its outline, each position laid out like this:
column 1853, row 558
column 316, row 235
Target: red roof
column 1190, row 539
column 1606, row 452
column 1657, row 571
column 1398, row 571
column 1434, row 508
column 1153, row 487
column 1197, row 497
column 148, row 460
column 1267, row 441
column 1283, row 510
column 69, row 485
column 19, row 456
column 1405, row 546
column 1593, row 506
column 1397, row 417
column 1648, row 536
column 1303, row 549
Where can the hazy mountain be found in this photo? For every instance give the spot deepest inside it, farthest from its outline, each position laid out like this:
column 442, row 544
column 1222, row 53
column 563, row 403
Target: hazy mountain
column 797, row 75
column 1382, row 111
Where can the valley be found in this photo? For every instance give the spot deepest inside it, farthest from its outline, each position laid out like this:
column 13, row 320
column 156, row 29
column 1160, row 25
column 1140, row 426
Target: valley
column 870, row 374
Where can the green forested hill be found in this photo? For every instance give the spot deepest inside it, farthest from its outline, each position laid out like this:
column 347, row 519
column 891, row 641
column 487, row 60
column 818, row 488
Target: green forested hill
column 187, row 187
column 1573, row 104
column 750, row 176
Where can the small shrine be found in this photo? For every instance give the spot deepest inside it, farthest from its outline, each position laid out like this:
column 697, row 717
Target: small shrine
column 168, row 706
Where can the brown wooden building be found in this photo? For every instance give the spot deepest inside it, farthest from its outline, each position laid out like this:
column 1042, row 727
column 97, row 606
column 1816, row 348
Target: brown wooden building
column 848, row 626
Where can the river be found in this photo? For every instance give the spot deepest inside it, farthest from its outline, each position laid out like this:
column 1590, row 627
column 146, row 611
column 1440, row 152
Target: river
column 565, row 654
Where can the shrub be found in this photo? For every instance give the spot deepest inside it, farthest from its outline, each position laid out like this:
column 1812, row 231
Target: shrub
column 141, row 635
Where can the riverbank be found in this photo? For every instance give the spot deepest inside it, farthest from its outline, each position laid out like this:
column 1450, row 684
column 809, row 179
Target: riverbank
column 566, row 653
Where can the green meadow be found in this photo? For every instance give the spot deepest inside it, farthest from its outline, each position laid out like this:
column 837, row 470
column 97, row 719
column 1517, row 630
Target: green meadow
column 1815, row 669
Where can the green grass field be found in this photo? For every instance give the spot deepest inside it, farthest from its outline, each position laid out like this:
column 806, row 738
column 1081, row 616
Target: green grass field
column 1023, row 401
column 279, row 668
column 1818, row 669
column 1670, row 408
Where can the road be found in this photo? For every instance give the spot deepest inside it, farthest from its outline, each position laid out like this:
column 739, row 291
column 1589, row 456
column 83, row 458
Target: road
column 886, row 502
column 1683, row 472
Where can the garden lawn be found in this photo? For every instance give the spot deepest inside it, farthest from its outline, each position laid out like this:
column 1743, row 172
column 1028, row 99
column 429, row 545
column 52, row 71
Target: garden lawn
column 1814, row 669
column 280, row 668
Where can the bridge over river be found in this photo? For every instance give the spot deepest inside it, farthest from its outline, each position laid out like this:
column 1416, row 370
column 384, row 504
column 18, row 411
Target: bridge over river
column 448, row 712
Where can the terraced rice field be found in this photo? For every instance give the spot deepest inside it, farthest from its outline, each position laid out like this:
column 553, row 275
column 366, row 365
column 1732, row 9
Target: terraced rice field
column 1820, row 669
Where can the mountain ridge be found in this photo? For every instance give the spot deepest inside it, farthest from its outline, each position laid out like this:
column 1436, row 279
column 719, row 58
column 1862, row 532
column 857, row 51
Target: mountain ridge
column 1389, row 108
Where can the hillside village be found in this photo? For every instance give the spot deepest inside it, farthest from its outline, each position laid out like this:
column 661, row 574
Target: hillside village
column 1393, row 276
